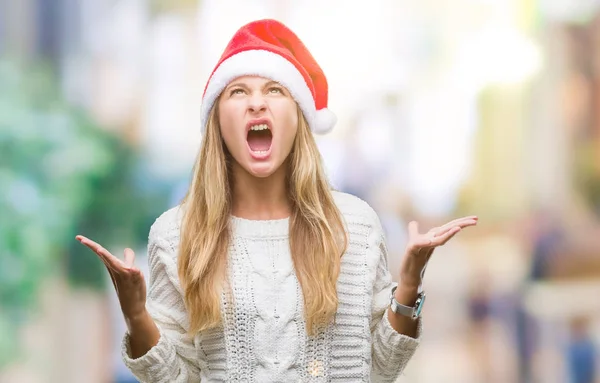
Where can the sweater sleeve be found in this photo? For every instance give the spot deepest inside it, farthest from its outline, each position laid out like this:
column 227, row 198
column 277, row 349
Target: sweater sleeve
column 173, row 359
column 391, row 351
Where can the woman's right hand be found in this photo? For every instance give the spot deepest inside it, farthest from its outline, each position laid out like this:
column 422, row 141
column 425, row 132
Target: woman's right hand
column 127, row 279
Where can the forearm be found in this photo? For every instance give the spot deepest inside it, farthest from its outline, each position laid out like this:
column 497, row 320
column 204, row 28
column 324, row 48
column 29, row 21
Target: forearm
column 143, row 334
column 158, row 352
column 402, row 324
column 395, row 339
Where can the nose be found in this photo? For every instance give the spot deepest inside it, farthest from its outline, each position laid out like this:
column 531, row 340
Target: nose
column 257, row 103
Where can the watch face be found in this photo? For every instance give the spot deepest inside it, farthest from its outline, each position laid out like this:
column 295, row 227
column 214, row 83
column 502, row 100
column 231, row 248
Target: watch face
column 419, row 305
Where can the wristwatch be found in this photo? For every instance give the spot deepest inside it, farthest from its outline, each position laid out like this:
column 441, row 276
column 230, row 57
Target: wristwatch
column 412, row 312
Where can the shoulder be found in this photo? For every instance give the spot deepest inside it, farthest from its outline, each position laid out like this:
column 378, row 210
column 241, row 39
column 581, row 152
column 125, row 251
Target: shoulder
column 167, row 226
column 354, row 208
column 356, row 211
column 365, row 234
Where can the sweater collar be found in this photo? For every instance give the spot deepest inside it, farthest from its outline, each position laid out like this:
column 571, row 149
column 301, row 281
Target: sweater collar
column 271, row 228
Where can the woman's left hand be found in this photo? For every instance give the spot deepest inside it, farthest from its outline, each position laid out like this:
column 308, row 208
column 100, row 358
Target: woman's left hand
column 421, row 246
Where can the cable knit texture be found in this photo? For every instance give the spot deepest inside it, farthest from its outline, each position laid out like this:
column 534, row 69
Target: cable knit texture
column 263, row 335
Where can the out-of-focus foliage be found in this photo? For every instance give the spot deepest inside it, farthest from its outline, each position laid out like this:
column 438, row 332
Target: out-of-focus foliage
column 57, row 169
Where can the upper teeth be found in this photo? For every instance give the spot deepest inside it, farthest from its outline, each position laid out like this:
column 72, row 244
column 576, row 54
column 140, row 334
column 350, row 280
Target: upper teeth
column 259, row 127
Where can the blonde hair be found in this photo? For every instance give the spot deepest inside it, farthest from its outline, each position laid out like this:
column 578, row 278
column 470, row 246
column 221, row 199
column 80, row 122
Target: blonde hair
column 317, row 235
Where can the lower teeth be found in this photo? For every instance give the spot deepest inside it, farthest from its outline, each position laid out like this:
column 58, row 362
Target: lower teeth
column 260, row 151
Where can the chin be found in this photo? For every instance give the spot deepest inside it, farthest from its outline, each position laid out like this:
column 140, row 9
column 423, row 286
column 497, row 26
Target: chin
column 261, row 170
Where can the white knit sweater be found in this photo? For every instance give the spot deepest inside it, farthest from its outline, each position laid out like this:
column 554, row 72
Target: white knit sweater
column 263, row 336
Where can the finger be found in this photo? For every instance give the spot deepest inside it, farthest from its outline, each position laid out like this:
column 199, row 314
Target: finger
column 413, row 229
column 109, row 260
column 98, row 249
column 441, row 240
column 457, row 221
column 129, row 258
column 443, row 233
column 462, row 223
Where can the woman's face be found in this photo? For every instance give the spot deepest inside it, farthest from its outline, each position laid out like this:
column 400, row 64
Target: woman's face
column 259, row 120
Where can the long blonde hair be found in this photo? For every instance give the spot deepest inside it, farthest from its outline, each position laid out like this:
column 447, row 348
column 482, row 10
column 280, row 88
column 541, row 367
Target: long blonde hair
column 317, row 235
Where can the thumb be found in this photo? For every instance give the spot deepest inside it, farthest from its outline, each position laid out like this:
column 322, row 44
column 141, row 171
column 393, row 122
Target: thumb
column 413, row 229
column 129, row 257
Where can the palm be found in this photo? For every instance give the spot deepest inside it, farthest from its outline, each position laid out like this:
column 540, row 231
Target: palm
column 420, row 247
column 127, row 279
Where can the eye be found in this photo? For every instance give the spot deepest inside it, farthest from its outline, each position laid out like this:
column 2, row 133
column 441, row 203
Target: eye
column 236, row 91
column 276, row 89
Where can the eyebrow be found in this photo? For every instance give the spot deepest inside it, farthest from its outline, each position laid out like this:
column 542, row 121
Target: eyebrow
column 272, row 83
column 234, row 84
column 243, row 85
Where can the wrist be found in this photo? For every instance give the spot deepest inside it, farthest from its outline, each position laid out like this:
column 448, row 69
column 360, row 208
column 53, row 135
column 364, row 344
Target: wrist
column 410, row 283
column 135, row 320
column 143, row 333
column 406, row 294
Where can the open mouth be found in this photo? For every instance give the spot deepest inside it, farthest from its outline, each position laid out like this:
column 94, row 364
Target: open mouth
column 259, row 138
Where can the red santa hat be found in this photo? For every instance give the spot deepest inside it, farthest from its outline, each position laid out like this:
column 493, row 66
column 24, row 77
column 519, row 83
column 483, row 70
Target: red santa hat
column 269, row 49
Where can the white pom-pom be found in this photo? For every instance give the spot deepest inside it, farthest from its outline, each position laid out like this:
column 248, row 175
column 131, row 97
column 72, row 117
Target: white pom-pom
column 324, row 121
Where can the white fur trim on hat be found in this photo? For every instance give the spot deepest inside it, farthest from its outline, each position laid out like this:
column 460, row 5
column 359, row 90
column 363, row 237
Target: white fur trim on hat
column 324, row 121
column 275, row 67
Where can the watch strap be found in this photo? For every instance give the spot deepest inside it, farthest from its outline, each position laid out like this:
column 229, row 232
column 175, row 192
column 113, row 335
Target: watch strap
column 408, row 311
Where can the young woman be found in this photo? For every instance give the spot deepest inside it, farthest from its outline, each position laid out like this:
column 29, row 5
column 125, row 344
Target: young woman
column 263, row 273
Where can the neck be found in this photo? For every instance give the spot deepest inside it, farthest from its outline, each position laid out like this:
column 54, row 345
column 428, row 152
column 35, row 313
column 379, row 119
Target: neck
column 260, row 198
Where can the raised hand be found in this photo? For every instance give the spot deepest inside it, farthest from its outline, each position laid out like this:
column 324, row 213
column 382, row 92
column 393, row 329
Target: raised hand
column 420, row 247
column 127, row 279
